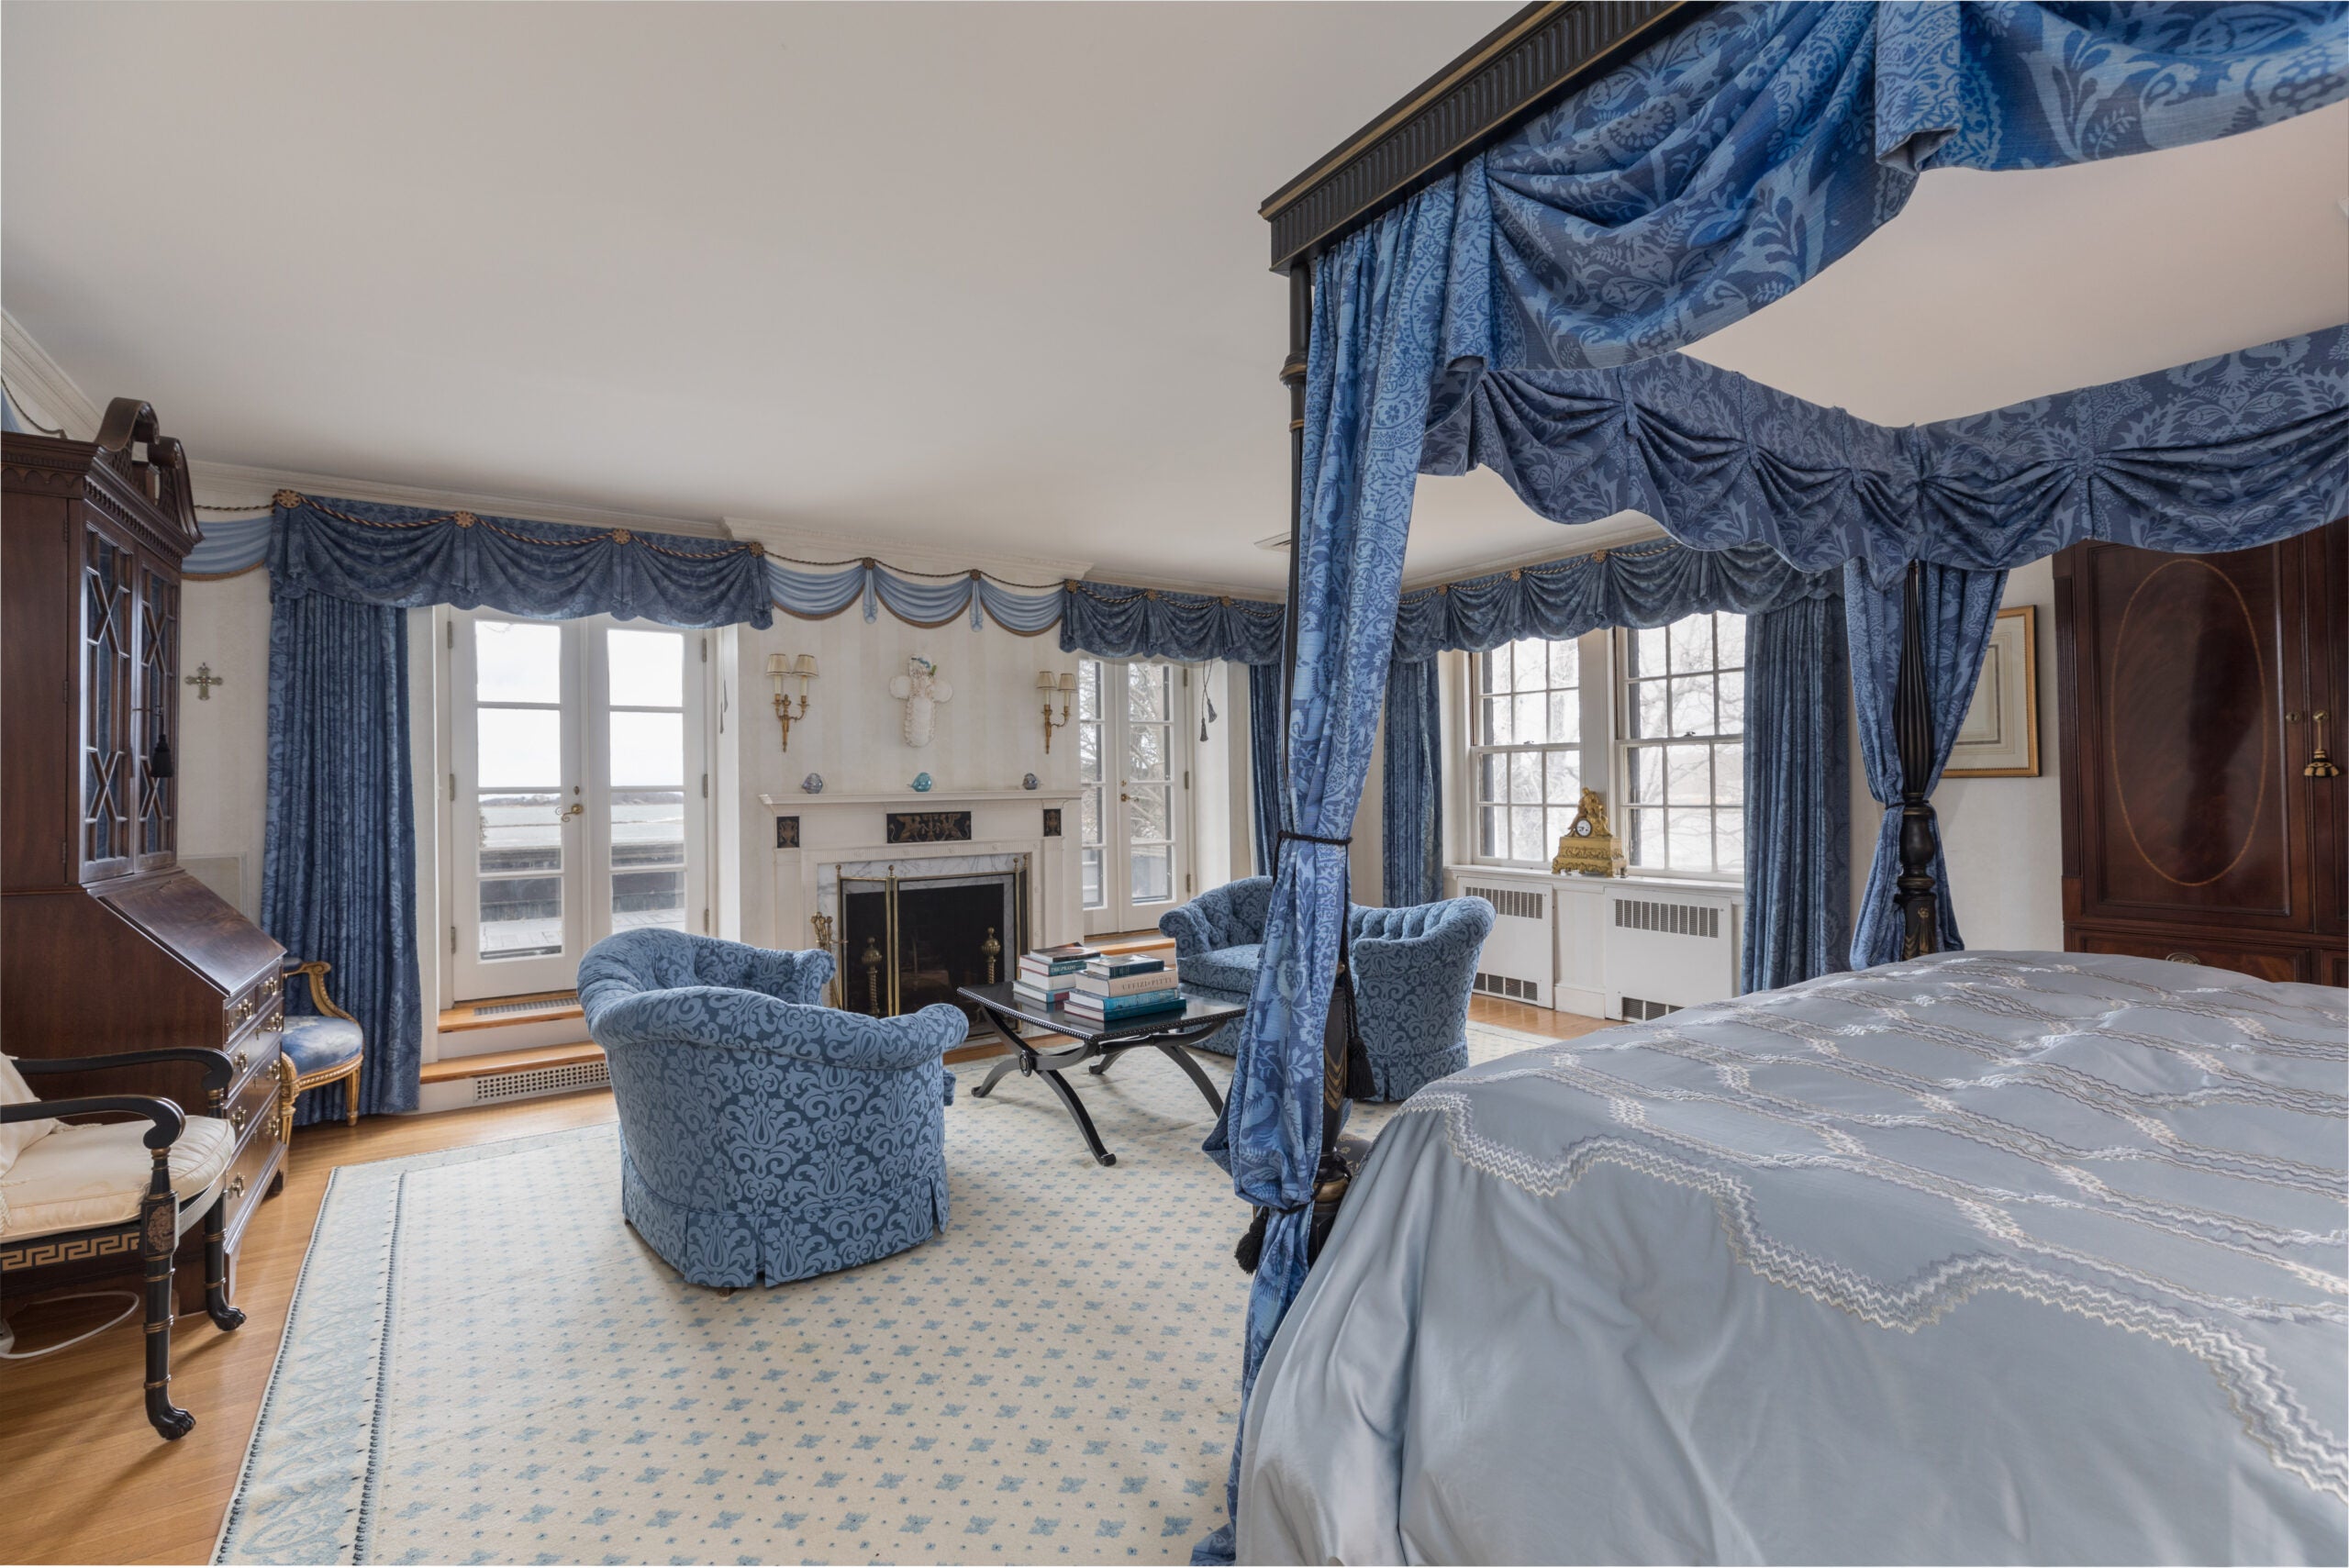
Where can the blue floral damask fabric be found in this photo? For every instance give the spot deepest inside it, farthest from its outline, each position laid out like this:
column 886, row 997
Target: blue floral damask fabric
column 1725, row 166
column 763, row 1135
column 2224, row 453
column 1377, row 308
column 376, row 555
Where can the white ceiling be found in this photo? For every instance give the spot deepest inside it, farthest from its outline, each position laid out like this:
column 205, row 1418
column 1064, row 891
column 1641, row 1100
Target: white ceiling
column 985, row 277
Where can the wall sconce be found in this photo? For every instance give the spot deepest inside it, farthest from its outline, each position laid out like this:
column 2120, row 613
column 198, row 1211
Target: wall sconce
column 780, row 668
column 1063, row 686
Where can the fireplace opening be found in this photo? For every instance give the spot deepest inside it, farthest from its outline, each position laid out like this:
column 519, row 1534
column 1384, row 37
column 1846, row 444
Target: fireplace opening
column 910, row 942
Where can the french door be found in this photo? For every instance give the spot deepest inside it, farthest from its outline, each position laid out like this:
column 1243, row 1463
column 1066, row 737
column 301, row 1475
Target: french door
column 1133, row 726
column 578, row 794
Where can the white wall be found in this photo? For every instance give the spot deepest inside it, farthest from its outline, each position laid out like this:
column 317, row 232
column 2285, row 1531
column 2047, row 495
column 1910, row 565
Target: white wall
column 224, row 741
column 2003, row 839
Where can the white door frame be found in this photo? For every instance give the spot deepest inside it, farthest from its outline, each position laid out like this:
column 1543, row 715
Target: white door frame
column 1118, row 910
column 585, row 791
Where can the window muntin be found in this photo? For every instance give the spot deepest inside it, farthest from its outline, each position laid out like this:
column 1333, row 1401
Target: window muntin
column 1525, row 758
column 1683, row 722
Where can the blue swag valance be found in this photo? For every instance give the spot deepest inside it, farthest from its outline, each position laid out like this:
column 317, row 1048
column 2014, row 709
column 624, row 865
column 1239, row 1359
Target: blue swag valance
column 2228, row 453
column 1114, row 622
column 1731, row 163
column 407, row 557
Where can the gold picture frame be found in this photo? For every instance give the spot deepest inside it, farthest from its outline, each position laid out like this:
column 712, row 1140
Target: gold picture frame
column 1998, row 737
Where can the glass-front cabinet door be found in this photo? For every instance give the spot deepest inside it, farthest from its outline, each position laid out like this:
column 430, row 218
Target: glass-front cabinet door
column 1134, row 809
column 578, row 795
column 107, row 575
column 157, row 732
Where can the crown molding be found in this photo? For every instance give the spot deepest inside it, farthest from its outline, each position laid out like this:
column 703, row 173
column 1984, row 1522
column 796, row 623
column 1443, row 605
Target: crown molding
column 230, row 484
column 797, row 541
column 42, row 387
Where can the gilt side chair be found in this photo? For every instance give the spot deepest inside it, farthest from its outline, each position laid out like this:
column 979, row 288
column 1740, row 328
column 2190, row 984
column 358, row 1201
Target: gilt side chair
column 325, row 1047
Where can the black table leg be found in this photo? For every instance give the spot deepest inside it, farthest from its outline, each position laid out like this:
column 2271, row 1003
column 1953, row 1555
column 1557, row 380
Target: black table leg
column 1207, row 1085
column 1101, row 1066
column 995, row 1074
column 1076, row 1109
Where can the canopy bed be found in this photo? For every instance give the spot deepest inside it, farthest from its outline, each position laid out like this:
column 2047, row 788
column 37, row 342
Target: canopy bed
column 1733, row 1259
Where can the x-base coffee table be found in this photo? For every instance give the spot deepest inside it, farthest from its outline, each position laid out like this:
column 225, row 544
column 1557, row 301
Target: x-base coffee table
column 1097, row 1044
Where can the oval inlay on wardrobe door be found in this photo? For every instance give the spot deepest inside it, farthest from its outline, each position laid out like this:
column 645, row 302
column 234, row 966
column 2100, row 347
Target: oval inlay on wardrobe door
column 2188, row 725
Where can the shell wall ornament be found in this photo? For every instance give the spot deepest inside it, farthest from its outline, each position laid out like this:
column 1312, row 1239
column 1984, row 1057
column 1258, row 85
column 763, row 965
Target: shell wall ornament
column 921, row 691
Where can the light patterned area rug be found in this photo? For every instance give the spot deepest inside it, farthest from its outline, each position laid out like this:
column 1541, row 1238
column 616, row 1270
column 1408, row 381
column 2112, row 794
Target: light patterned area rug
column 484, row 1363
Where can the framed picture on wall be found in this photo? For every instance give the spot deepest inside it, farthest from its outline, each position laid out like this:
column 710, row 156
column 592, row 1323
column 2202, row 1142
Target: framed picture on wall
column 1999, row 739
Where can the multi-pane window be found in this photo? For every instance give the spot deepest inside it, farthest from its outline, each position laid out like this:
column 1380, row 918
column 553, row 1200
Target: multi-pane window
column 1525, row 748
column 647, row 778
column 1684, row 746
column 1129, row 729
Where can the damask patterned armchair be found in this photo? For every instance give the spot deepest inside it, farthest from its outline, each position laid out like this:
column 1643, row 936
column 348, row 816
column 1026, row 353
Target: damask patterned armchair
column 764, row 1136
column 1413, row 972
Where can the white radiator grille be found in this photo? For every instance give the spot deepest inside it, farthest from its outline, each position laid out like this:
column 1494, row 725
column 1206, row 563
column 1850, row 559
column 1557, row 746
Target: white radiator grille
column 1518, row 903
column 1674, row 919
column 1638, row 1010
column 535, row 1004
column 1509, row 985
column 497, row 1086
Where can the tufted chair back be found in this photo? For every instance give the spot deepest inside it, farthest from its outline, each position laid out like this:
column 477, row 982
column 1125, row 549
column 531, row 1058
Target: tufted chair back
column 762, row 1134
column 1226, row 916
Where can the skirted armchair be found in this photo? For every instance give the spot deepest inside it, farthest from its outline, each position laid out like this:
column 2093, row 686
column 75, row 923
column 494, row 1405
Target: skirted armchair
column 764, row 1136
column 1413, row 972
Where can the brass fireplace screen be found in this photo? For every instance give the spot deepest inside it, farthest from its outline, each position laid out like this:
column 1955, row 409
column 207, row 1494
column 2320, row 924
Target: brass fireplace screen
column 903, row 942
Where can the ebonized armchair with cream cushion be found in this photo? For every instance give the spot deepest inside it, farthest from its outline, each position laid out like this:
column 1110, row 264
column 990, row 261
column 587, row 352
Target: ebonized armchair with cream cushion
column 82, row 1190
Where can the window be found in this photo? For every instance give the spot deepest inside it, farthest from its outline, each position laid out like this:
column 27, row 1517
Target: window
column 1525, row 759
column 1682, row 724
column 1132, row 813
column 573, row 816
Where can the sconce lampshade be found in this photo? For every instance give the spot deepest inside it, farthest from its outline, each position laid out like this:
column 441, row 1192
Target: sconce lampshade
column 1068, row 680
column 806, row 667
column 1046, row 681
column 777, row 665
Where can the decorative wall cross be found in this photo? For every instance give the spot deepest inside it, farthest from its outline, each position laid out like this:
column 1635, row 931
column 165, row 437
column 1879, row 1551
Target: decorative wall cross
column 204, row 680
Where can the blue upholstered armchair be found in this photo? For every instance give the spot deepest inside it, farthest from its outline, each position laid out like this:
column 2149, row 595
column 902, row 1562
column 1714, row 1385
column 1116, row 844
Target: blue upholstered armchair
column 1413, row 972
column 764, row 1136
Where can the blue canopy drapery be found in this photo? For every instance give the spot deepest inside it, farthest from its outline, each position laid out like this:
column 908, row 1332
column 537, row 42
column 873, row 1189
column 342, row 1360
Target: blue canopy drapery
column 1376, row 303
column 1796, row 865
column 1731, row 163
column 1716, row 170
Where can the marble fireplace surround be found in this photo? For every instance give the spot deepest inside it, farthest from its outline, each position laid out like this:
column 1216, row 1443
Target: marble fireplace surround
column 846, row 834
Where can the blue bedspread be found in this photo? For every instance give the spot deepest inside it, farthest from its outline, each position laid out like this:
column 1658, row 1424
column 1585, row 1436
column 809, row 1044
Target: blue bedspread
column 1987, row 1257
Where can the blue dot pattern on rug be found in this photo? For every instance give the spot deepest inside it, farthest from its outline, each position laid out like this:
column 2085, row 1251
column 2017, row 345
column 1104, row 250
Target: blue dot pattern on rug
column 485, row 1365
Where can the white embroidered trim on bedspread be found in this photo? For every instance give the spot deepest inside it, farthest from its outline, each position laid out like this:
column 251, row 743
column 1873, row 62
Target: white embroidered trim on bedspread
column 2211, row 1325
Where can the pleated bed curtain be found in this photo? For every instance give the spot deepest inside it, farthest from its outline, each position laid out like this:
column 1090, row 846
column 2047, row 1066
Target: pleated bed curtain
column 1521, row 313
column 338, row 863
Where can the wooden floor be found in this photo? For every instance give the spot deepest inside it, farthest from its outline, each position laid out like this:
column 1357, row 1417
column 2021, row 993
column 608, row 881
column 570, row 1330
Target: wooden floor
column 92, row 1483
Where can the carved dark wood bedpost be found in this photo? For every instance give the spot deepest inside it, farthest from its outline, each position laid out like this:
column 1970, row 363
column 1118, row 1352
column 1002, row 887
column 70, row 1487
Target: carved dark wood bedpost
column 1300, row 334
column 1917, row 900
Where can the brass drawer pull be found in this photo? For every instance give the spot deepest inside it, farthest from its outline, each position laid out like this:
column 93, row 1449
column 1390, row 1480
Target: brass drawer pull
column 237, row 1184
column 243, row 1059
column 2181, row 958
column 238, row 1117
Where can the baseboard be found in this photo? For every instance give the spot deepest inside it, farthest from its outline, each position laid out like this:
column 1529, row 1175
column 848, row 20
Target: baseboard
column 1580, row 1000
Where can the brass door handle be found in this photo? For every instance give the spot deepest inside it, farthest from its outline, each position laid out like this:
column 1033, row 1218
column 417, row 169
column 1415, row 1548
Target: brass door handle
column 575, row 811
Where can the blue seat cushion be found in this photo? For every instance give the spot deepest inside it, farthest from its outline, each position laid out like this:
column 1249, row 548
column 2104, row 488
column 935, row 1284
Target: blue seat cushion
column 320, row 1044
column 1225, row 969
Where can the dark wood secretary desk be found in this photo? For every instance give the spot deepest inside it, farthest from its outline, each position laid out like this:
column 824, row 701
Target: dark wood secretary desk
column 2205, row 817
column 105, row 944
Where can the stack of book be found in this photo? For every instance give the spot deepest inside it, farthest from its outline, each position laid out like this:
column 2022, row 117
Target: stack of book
column 1047, row 973
column 1114, row 989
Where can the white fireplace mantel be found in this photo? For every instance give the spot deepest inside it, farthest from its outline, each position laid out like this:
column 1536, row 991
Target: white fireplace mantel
column 932, row 797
